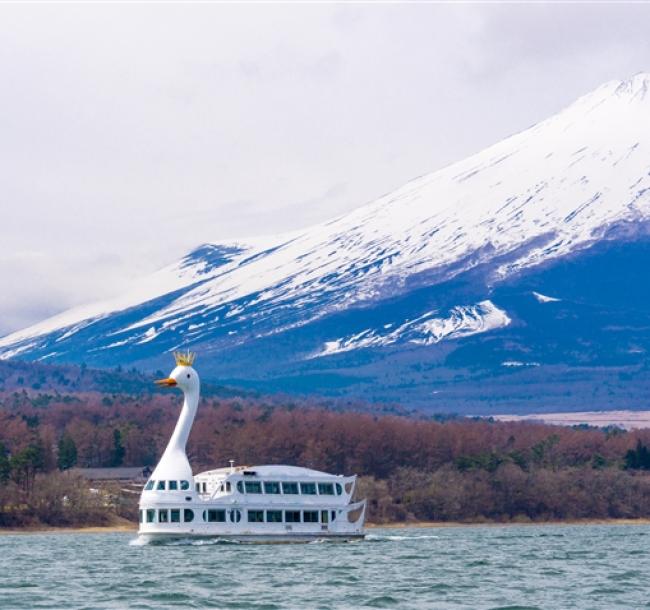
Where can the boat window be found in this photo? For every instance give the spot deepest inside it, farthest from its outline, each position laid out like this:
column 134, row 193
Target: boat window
column 175, row 515
column 274, row 516
column 228, row 488
column 256, row 516
column 161, row 485
column 188, row 515
column 290, row 488
column 185, row 485
column 216, row 516
column 235, row 515
column 271, row 487
column 240, row 487
column 339, row 489
column 326, row 489
column 151, row 515
column 173, row 485
column 205, row 487
column 149, row 485
column 253, row 487
column 140, row 516
column 198, row 487
column 308, row 489
column 333, row 515
column 324, row 516
column 310, row 516
column 292, row 516
column 163, row 515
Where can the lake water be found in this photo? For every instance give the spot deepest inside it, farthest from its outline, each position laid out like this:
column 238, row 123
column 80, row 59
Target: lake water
column 510, row 567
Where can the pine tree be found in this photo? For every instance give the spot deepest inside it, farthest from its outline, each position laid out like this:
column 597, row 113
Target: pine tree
column 118, row 449
column 5, row 464
column 67, row 457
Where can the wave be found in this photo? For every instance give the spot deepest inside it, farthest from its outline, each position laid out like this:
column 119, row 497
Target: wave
column 148, row 541
column 395, row 537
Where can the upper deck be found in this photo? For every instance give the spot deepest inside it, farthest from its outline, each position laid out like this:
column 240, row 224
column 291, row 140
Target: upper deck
column 253, row 485
column 275, row 484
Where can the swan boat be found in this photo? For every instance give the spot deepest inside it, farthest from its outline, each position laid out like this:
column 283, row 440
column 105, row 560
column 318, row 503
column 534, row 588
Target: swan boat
column 243, row 503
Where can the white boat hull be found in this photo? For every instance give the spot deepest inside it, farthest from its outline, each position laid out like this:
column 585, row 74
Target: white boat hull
column 252, row 538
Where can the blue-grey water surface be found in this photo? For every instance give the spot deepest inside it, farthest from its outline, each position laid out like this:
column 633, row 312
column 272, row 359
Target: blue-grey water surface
column 509, row 567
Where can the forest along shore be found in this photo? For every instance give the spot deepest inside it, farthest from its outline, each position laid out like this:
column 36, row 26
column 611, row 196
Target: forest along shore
column 107, row 529
column 410, row 469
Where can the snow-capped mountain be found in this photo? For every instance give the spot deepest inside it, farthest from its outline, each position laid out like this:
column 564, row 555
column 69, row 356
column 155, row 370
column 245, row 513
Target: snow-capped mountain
column 360, row 302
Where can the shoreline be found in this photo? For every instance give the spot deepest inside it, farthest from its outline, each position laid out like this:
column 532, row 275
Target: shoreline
column 133, row 528
column 90, row 529
column 448, row 524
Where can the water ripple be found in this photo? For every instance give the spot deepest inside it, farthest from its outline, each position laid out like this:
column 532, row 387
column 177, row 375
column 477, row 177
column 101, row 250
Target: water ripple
column 464, row 568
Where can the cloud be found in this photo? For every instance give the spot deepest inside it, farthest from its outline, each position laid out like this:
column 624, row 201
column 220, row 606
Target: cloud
column 133, row 132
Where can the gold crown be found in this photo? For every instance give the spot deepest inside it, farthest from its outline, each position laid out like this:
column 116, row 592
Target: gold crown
column 184, row 358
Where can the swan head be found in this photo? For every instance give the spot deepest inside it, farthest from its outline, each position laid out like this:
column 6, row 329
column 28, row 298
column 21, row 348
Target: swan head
column 183, row 377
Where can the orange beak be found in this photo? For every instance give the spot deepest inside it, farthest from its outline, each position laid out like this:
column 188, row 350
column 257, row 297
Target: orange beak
column 168, row 383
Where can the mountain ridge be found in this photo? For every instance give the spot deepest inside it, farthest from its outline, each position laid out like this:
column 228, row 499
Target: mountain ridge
column 452, row 237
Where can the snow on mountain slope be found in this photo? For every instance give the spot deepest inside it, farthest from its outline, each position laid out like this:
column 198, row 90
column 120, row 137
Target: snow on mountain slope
column 543, row 298
column 557, row 187
column 189, row 271
column 462, row 321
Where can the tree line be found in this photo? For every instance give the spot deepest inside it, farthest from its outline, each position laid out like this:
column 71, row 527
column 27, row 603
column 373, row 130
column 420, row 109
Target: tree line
column 410, row 468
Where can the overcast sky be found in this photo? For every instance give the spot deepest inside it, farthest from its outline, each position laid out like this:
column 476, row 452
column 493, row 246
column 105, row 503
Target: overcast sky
column 130, row 133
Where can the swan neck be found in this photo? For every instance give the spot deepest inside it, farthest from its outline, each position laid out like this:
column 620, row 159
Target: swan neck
column 181, row 433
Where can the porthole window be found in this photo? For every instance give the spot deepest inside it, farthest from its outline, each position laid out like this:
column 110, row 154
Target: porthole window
column 185, row 485
column 188, row 515
column 149, row 485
